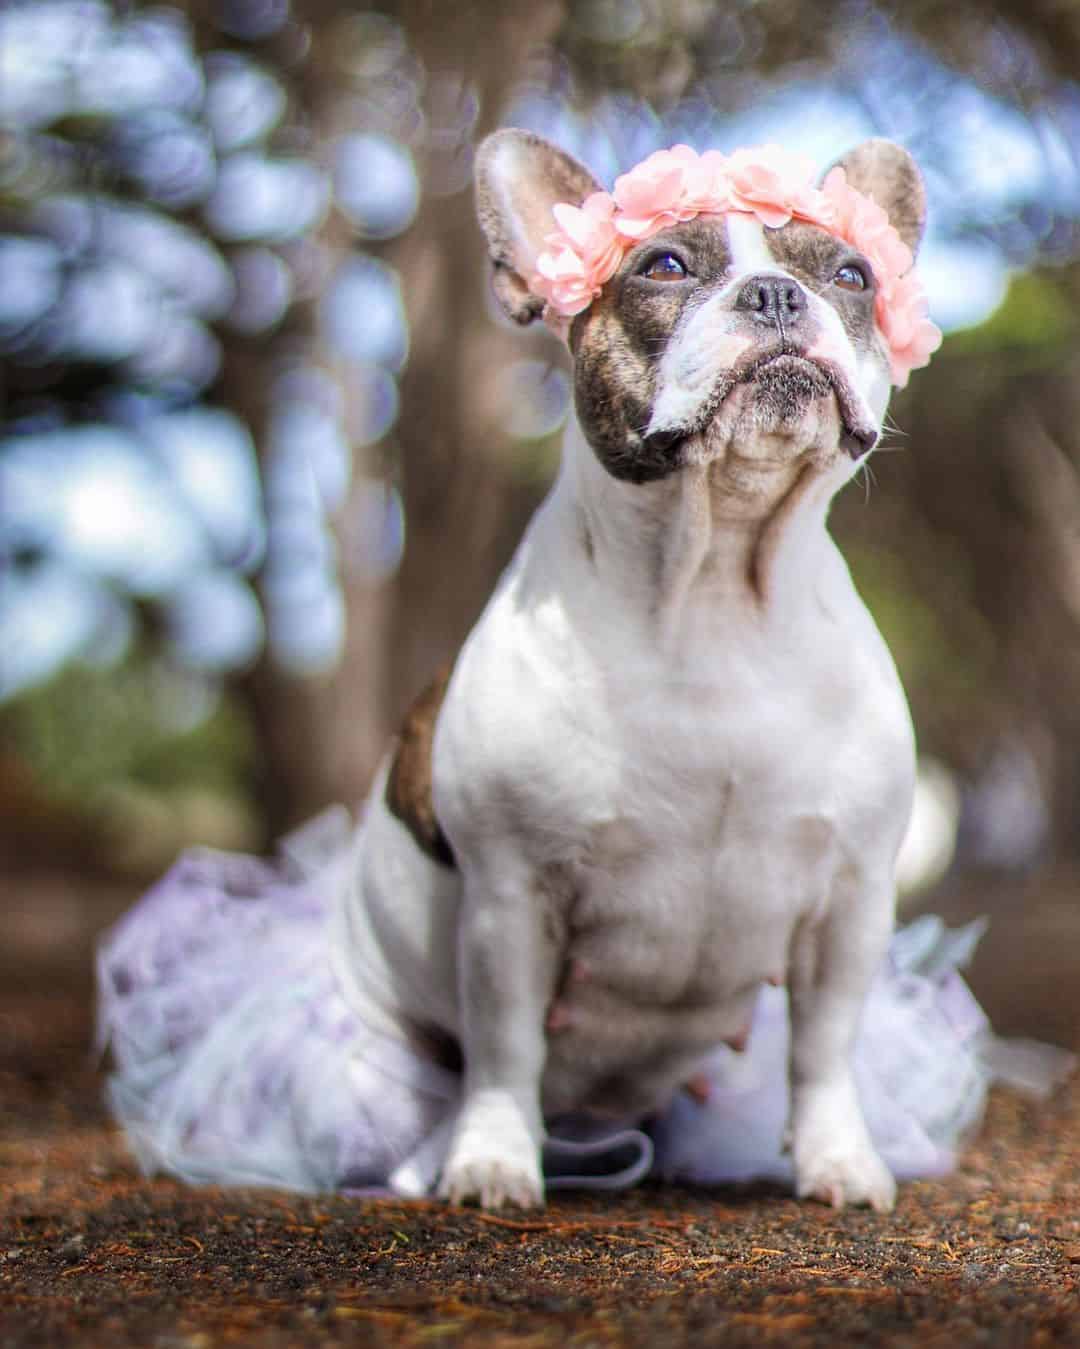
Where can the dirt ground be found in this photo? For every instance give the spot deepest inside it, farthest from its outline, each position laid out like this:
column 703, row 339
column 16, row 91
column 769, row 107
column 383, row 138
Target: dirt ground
column 93, row 1254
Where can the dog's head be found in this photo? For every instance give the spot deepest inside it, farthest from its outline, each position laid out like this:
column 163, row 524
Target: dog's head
column 717, row 337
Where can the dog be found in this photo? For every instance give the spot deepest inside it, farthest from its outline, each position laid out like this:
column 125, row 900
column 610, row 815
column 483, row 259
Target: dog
column 673, row 760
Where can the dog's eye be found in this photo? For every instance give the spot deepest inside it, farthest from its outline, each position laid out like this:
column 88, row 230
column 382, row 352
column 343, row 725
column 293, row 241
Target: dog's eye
column 850, row 277
column 664, row 267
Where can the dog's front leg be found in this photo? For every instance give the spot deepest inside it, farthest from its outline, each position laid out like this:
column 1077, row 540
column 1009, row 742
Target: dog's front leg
column 833, row 960
column 507, row 968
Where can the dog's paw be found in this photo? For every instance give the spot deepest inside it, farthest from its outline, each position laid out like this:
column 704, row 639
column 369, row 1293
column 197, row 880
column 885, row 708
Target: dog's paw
column 834, row 1158
column 494, row 1159
column 493, row 1182
column 840, row 1175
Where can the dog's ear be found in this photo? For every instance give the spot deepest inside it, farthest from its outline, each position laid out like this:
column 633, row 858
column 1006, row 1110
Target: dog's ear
column 885, row 171
column 519, row 178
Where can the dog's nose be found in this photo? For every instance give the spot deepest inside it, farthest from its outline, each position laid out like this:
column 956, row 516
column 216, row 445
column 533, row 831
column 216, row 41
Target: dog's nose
column 777, row 300
column 661, row 443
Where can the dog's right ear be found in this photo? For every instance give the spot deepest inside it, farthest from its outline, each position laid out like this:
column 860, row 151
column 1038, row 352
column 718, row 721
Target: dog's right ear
column 519, row 178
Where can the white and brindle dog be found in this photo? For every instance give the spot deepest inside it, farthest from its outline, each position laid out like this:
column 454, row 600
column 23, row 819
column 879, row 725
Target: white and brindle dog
column 673, row 760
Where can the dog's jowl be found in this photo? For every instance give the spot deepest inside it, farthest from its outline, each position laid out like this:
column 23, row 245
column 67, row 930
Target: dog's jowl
column 673, row 760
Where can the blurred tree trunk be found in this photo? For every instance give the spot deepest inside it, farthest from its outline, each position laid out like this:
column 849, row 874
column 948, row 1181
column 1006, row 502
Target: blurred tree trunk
column 466, row 503
column 321, row 736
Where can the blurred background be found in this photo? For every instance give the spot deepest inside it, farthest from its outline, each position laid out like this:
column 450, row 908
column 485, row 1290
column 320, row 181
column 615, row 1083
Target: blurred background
column 265, row 444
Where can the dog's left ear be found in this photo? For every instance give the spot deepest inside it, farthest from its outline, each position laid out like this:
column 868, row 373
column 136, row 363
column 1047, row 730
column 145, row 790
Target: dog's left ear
column 885, row 171
column 519, row 178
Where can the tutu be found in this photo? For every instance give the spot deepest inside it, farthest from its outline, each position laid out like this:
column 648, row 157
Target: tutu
column 239, row 1057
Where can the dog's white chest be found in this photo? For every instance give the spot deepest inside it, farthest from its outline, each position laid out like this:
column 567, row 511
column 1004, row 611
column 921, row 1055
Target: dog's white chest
column 717, row 829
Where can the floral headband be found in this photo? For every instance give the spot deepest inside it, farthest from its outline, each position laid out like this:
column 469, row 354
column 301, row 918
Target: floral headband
column 768, row 182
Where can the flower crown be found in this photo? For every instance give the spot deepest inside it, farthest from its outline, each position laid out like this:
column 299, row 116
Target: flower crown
column 771, row 183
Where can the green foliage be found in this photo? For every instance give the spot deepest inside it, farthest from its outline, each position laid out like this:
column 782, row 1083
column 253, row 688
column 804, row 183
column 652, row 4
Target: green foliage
column 1037, row 315
column 942, row 647
column 139, row 722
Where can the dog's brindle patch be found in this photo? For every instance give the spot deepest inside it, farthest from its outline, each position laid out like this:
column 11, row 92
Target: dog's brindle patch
column 618, row 343
column 408, row 786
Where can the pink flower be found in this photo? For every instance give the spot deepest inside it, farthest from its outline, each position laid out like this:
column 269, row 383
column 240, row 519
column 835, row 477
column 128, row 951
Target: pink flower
column 561, row 279
column 590, row 231
column 900, row 308
column 903, row 319
column 705, row 182
column 652, row 195
column 583, row 255
column 774, row 184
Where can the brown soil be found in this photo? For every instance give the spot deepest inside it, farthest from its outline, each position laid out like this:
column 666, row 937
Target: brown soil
column 93, row 1254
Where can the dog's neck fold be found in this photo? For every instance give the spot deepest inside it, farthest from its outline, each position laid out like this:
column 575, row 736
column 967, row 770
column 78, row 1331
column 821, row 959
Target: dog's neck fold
column 731, row 534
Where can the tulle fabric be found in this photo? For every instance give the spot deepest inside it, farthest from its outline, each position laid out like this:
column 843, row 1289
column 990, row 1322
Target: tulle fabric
column 238, row 1057
column 919, row 1064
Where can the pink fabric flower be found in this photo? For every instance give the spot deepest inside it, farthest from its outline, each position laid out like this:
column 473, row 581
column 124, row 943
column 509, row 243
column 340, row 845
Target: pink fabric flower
column 705, row 182
column 590, row 230
column 561, row 279
column 903, row 319
column 652, row 195
column 582, row 256
column 774, row 184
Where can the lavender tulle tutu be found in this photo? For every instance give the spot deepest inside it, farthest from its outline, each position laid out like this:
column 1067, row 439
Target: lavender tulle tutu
column 240, row 1058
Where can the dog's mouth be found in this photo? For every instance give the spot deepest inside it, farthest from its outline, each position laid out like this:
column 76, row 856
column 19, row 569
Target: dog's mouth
column 799, row 377
column 787, row 381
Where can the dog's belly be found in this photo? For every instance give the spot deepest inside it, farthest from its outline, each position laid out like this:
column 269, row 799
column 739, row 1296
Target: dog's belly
column 666, row 952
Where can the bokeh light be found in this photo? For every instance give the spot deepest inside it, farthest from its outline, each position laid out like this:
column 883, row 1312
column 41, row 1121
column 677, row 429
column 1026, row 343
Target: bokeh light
column 263, row 289
column 307, row 473
column 214, row 622
column 29, row 283
column 375, row 535
column 97, row 500
column 243, row 101
column 536, row 399
column 51, row 614
column 252, row 20
column 165, row 157
column 363, row 315
column 376, row 184
column 210, row 458
column 375, row 402
column 259, row 197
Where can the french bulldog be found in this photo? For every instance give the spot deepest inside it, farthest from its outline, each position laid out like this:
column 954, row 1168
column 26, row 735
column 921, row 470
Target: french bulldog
column 673, row 759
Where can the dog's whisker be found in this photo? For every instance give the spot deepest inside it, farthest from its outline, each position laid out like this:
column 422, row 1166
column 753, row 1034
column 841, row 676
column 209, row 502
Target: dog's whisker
column 868, row 480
